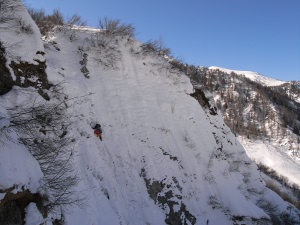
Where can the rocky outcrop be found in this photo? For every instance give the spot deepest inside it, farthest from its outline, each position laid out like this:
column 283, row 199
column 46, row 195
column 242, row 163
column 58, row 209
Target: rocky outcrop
column 83, row 63
column 12, row 206
column 27, row 75
column 6, row 81
column 163, row 195
column 205, row 102
column 30, row 75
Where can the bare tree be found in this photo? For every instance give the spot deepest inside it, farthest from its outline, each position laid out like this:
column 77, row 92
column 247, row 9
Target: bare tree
column 43, row 128
column 115, row 28
column 76, row 20
column 162, row 49
column 155, row 46
column 105, row 42
column 106, row 50
column 46, row 23
column 70, row 24
column 37, row 14
column 57, row 17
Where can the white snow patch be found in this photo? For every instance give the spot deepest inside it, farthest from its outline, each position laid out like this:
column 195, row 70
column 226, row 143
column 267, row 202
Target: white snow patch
column 272, row 156
column 39, row 58
column 4, row 122
column 18, row 167
column 33, row 215
column 2, row 195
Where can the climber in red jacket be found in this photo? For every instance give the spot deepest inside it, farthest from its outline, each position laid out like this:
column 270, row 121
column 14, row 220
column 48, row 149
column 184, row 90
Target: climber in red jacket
column 98, row 131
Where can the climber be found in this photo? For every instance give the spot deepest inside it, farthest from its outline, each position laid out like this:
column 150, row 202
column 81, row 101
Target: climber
column 98, row 131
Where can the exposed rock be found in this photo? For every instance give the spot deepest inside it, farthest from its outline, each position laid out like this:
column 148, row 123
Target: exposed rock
column 162, row 194
column 31, row 75
column 84, row 68
column 10, row 213
column 154, row 188
column 12, row 206
column 200, row 96
column 27, row 75
column 6, row 81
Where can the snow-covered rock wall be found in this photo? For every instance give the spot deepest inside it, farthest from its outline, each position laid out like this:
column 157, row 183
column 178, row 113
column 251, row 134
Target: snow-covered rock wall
column 164, row 158
column 20, row 176
column 22, row 59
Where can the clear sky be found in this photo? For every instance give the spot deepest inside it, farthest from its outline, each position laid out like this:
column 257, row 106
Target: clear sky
column 257, row 35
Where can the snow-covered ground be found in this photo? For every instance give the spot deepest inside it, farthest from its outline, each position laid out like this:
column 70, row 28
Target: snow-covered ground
column 272, row 156
column 254, row 76
column 19, row 169
column 22, row 38
column 162, row 157
column 275, row 154
column 150, row 124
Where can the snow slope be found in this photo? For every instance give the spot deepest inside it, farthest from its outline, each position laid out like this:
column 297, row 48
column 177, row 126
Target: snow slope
column 273, row 156
column 21, row 172
column 22, row 38
column 254, row 76
column 153, row 132
column 277, row 154
column 164, row 159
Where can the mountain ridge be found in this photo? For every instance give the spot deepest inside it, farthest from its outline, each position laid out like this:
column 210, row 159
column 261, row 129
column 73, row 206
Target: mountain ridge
column 254, row 76
column 248, row 105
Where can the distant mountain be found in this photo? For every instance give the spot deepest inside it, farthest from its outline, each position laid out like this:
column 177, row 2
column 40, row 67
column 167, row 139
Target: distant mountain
column 254, row 76
column 167, row 156
column 258, row 110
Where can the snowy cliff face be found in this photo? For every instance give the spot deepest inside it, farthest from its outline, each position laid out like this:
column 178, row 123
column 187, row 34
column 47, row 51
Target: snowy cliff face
column 22, row 61
column 19, row 45
column 19, row 34
column 254, row 76
column 20, row 173
column 165, row 158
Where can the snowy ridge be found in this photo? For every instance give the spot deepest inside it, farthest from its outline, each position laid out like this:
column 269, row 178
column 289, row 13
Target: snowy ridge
column 254, row 76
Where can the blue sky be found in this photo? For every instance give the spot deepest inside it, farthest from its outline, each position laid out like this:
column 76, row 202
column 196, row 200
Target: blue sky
column 256, row 35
